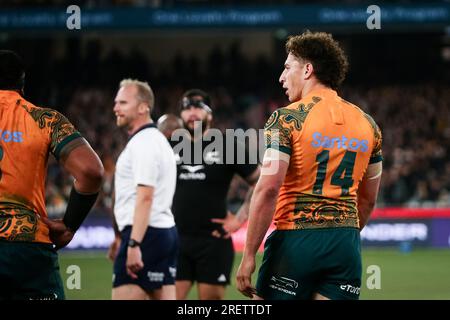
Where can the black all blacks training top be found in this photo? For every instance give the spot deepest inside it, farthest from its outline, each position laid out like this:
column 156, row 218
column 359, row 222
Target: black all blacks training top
column 204, row 173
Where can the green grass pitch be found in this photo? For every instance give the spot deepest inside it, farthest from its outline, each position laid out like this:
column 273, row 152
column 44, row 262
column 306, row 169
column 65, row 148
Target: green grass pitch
column 420, row 274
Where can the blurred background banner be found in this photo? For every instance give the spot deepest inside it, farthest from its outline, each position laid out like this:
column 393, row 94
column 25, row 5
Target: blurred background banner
column 414, row 16
column 388, row 228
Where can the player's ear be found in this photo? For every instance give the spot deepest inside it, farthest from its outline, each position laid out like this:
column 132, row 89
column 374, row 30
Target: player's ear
column 143, row 108
column 308, row 70
column 209, row 119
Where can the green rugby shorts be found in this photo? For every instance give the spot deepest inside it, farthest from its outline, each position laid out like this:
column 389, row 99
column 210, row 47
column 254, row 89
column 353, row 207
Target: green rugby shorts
column 29, row 271
column 299, row 263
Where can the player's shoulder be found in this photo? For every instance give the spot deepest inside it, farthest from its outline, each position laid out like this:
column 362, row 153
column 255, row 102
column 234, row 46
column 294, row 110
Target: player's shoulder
column 42, row 114
column 49, row 120
column 276, row 118
column 148, row 136
column 292, row 115
column 362, row 114
column 371, row 122
column 367, row 117
column 148, row 131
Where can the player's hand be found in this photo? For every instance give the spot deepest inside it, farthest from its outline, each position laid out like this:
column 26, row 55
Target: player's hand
column 244, row 276
column 229, row 224
column 59, row 234
column 114, row 249
column 134, row 261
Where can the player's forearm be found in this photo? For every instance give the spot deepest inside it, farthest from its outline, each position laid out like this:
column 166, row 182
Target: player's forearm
column 141, row 217
column 84, row 165
column 242, row 214
column 262, row 208
column 365, row 209
column 368, row 192
column 89, row 180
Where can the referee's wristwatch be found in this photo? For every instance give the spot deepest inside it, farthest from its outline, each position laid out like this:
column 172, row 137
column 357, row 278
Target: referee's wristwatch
column 133, row 243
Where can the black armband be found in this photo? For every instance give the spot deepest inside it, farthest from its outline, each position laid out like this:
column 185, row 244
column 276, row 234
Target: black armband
column 78, row 208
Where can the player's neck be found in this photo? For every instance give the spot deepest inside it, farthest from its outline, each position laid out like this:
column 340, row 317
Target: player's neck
column 312, row 86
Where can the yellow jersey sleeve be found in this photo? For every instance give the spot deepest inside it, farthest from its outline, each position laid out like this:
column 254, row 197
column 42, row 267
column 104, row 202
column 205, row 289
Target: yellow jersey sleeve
column 57, row 126
column 279, row 129
column 62, row 132
column 376, row 155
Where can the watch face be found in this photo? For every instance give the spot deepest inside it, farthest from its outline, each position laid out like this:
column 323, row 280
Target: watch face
column 133, row 243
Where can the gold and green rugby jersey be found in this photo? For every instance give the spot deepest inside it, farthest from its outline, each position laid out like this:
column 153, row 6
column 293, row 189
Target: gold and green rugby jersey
column 330, row 142
column 28, row 134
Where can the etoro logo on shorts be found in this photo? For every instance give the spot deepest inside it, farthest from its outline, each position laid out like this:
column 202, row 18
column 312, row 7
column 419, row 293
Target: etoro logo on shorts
column 155, row 276
column 350, row 288
column 284, row 284
column 173, row 272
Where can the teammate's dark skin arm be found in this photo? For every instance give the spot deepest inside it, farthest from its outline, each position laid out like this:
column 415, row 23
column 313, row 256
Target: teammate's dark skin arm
column 81, row 161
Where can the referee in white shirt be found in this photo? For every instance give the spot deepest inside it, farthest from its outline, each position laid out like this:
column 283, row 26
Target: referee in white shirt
column 145, row 178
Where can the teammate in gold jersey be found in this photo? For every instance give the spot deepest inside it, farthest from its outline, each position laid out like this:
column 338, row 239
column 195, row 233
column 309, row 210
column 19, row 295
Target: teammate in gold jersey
column 321, row 175
column 28, row 240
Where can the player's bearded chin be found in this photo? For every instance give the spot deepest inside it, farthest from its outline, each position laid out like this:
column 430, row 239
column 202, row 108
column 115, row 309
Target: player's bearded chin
column 120, row 121
column 190, row 125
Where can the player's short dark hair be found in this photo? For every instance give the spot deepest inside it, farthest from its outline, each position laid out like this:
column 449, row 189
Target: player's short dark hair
column 197, row 92
column 324, row 53
column 12, row 71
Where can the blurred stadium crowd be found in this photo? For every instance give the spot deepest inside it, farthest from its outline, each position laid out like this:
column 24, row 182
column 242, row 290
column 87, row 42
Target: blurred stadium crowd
column 414, row 117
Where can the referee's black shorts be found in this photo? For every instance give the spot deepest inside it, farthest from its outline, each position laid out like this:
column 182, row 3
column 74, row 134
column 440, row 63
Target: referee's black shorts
column 205, row 259
column 159, row 253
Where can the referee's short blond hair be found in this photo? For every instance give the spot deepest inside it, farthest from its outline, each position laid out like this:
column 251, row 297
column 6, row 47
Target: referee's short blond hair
column 145, row 92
